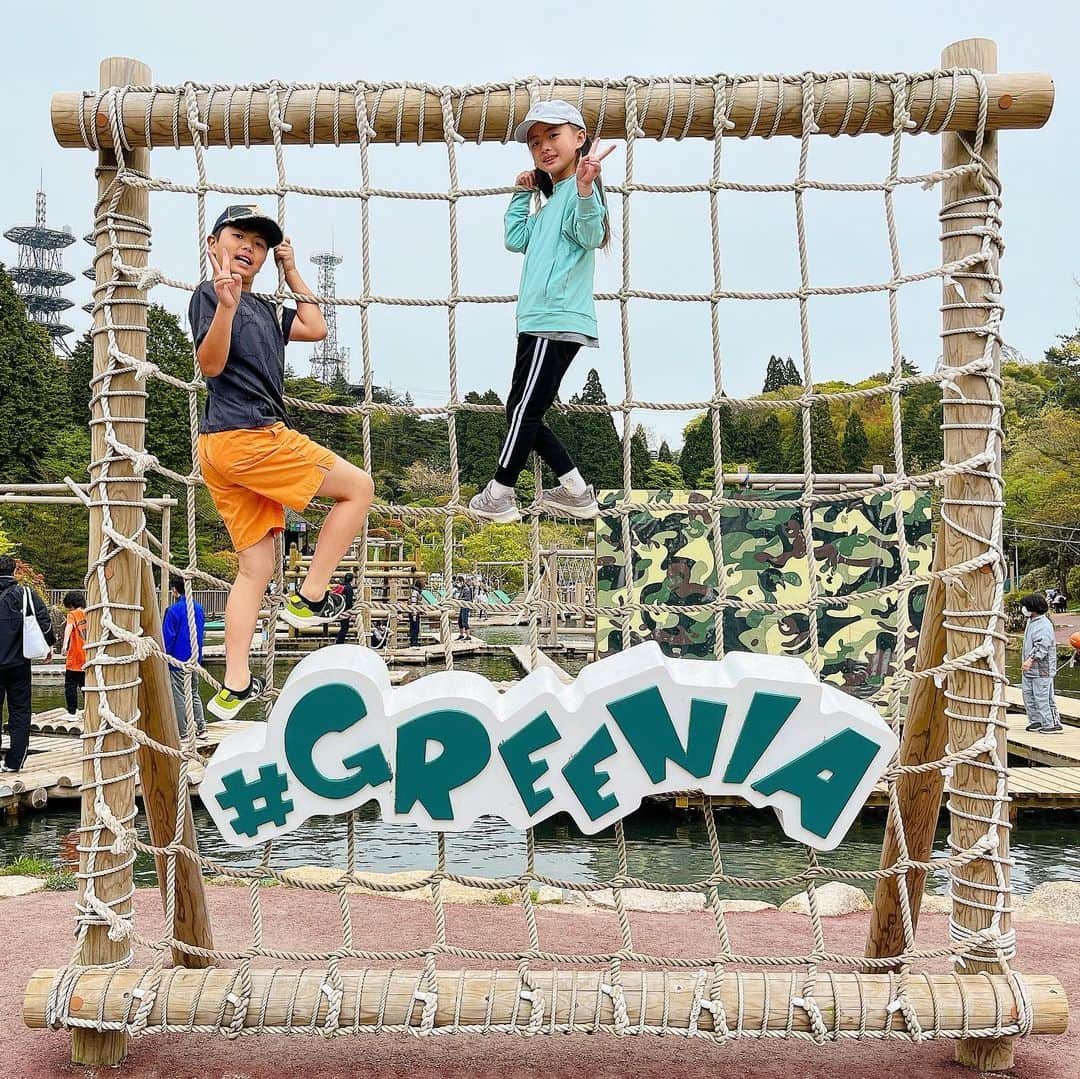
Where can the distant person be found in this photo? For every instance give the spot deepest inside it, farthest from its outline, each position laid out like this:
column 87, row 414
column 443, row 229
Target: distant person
column 464, row 593
column 416, row 597
column 348, row 595
column 1039, row 665
column 15, row 601
column 74, row 650
column 176, row 637
column 481, row 600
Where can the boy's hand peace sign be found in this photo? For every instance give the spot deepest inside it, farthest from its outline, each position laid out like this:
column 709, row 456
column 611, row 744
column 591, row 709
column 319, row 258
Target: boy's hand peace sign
column 589, row 167
column 227, row 283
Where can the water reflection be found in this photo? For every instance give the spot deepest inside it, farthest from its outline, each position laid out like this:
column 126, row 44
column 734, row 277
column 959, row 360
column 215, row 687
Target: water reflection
column 662, row 844
column 667, row 846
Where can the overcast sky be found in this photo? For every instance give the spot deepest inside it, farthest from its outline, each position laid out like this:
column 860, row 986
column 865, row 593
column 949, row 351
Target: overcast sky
column 57, row 46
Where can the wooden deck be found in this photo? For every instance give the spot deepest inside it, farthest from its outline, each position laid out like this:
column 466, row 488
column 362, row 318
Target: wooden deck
column 1049, row 778
column 53, row 768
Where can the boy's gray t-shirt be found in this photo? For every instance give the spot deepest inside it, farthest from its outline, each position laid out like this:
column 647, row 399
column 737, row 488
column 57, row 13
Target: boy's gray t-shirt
column 249, row 392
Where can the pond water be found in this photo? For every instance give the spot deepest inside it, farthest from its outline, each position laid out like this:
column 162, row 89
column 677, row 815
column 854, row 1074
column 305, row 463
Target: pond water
column 663, row 844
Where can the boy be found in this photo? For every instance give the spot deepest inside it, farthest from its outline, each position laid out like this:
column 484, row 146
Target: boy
column 1039, row 666
column 253, row 461
column 74, row 649
column 176, row 637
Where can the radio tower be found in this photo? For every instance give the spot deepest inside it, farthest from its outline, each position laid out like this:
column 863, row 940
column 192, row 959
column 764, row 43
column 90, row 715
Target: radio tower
column 329, row 361
column 39, row 273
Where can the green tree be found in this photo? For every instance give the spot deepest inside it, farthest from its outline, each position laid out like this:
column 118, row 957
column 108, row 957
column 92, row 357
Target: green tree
column 663, row 454
column 664, row 476
column 597, row 451
column 497, row 543
column 35, row 390
column 1063, row 369
column 168, row 427
column 856, row 446
column 791, row 374
column 80, row 371
column 826, row 449
column 769, row 444
column 697, row 453
column 640, row 460
column 480, row 437
column 775, row 376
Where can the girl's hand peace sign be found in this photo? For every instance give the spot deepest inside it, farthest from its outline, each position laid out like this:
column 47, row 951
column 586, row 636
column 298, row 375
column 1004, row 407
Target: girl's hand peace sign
column 589, row 167
column 227, row 283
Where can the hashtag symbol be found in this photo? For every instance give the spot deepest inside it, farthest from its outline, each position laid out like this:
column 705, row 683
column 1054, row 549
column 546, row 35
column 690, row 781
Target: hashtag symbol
column 244, row 796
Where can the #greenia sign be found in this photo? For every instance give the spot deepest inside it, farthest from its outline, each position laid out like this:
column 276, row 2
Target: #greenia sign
column 449, row 748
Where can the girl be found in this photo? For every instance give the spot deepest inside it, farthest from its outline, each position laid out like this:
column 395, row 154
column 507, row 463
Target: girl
column 555, row 310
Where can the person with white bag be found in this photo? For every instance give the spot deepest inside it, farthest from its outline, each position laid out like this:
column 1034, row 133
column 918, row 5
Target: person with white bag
column 26, row 634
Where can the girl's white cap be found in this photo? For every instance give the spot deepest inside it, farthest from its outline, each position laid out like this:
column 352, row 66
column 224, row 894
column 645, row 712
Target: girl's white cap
column 548, row 112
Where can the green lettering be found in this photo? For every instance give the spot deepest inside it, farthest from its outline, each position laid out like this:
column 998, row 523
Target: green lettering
column 516, row 751
column 646, row 724
column 767, row 713
column 823, row 779
column 585, row 780
column 325, row 710
column 466, row 750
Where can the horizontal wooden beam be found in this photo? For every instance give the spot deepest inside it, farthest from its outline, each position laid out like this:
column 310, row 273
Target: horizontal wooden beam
column 765, row 1000
column 327, row 114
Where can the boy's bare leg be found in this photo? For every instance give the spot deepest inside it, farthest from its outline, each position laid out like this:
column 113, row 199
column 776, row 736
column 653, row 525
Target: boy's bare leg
column 352, row 490
column 242, row 610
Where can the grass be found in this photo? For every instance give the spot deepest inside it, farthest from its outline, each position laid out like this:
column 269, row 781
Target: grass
column 58, row 878
column 27, row 866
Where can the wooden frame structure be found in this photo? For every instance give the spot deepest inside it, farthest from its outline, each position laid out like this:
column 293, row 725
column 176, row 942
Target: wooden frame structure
column 149, row 116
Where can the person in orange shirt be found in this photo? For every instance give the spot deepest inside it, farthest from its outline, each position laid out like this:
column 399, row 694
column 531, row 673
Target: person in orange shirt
column 74, row 649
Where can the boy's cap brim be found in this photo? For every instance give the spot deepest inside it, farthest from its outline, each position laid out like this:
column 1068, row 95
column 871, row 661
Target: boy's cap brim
column 251, row 217
column 548, row 112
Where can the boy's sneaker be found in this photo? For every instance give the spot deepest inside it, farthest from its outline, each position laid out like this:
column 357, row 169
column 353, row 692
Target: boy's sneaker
column 503, row 509
column 225, row 704
column 559, row 502
column 300, row 614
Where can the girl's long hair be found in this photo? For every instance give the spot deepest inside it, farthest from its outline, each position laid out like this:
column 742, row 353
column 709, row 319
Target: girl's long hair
column 546, row 186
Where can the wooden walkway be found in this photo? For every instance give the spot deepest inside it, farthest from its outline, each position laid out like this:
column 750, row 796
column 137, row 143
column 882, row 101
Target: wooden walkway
column 521, row 655
column 53, row 768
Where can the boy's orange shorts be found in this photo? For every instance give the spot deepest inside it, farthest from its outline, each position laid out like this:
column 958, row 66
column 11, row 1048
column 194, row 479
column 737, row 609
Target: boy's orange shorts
column 254, row 473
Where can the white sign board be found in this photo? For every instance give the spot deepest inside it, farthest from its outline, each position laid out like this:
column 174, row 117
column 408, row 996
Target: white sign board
column 449, row 748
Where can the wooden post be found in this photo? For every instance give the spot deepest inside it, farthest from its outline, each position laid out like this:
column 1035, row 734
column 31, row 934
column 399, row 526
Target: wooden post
column 113, row 878
column 552, row 582
column 159, row 777
column 971, row 591
column 166, row 555
column 925, row 732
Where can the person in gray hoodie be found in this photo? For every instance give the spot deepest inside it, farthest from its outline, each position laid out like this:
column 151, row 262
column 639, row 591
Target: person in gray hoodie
column 1039, row 666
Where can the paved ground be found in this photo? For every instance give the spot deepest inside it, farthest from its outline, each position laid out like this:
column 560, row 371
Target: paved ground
column 36, row 933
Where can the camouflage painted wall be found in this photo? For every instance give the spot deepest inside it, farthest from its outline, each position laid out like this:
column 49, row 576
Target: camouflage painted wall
column 765, row 561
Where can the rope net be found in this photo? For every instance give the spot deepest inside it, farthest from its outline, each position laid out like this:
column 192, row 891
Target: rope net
column 381, row 106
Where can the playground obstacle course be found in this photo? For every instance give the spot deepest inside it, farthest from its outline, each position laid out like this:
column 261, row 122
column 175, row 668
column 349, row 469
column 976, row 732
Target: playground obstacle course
column 955, row 731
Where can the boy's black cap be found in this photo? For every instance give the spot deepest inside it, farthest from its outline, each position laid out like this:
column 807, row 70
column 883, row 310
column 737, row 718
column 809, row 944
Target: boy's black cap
column 250, row 217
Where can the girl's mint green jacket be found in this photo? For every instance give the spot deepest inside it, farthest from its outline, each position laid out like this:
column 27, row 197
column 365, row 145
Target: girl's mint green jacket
column 556, row 291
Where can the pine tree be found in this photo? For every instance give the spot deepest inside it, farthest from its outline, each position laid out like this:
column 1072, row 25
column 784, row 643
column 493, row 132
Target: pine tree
column 598, row 451
column 791, row 374
column 774, row 375
column 34, row 389
column 770, row 451
column 856, row 446
column 479, row 437
column 826, row 449
column 664, row 454
column 697, row 452
column 640, row 460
